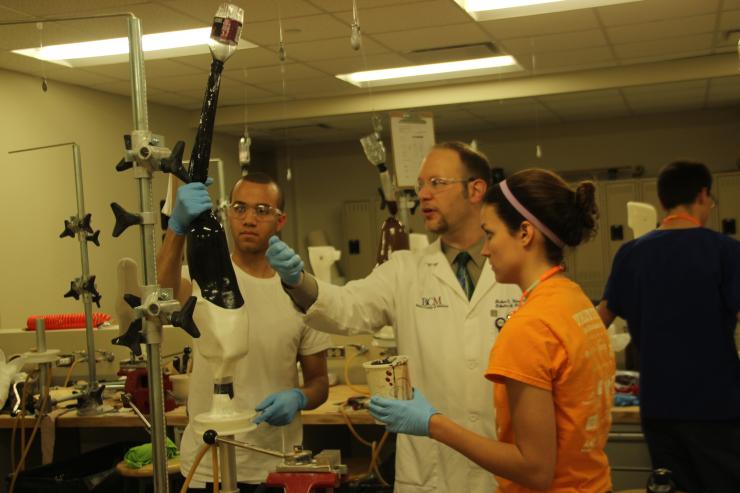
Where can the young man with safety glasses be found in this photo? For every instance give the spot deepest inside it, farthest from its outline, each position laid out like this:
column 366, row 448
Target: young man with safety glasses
column 267, row 379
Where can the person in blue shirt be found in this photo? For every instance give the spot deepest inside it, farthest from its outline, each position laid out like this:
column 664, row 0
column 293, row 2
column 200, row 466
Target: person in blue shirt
column 678, row 288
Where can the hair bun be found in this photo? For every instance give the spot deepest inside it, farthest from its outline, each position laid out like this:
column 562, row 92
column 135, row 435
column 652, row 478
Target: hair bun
column 586, row 197
column 586, row 212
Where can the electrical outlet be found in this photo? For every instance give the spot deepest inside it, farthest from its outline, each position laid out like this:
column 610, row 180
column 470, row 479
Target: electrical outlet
column 336, row 352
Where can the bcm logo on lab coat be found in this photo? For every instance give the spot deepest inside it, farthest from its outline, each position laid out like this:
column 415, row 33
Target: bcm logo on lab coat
column 431, row 303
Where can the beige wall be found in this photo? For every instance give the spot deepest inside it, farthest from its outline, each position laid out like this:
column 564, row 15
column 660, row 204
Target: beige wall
column 37, row 190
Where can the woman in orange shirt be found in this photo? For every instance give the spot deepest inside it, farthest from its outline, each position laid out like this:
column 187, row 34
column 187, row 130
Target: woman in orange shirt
column 552, row 362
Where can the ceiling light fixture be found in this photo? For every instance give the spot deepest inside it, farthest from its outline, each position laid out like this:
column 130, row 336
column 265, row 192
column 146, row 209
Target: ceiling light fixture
column 432, row 72
column 488, row 10
column 115, row 50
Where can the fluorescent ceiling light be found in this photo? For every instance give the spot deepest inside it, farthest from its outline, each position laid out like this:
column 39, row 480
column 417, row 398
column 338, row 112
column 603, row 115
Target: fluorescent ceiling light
column 115, row 50
column 487, row 10
column 434, row 71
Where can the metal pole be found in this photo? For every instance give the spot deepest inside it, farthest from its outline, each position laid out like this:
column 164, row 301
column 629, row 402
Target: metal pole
column 227, row 456
column 86, row 296
column 152, row 329
column 44, row 368
column 138, row 80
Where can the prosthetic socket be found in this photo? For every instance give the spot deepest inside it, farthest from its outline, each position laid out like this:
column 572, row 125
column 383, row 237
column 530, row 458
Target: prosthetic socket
column 220, row 311
column 207, row 249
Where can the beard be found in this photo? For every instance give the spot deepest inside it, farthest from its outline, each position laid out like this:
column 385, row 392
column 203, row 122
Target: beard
column 439, row 225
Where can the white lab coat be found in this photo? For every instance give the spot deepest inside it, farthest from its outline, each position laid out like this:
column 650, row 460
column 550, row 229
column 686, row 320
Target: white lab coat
column 447, row 339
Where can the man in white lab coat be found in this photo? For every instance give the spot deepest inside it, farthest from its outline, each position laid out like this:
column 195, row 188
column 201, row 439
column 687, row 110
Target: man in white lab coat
column 445, row 305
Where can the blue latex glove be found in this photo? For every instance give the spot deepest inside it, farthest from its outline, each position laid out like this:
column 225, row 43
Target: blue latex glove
column 285, row 261
column 192, row 200
column 400, row 416
column 279, row 408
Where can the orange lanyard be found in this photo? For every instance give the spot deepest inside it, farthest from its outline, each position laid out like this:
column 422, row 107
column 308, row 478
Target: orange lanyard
column 544, row 277
column 681, row 216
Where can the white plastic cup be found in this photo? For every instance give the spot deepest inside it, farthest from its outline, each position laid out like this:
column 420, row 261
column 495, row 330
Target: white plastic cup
column 389, row 377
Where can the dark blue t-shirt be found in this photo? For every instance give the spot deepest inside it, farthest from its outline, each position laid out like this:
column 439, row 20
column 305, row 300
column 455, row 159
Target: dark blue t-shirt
column 679, row 291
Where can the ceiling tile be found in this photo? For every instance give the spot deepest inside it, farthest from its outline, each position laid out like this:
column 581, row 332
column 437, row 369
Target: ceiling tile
column 327, row 49
column 518, row 111
column 274, row 73
column 172, row 99
column 432, row 37
column 539, row 25
column 254, row 10
column 654, row 10
column 154, row 18
column 121, row 87
column 358, row 63
column 22, row 36
column 48, row 8
column 661, row 47
column 667, row 28
column 568, row 59
column 81, row 77
column 555, row 42
column 152, row 68
column 180, row 83
column 409, row 16
column 7, row 14
column 252, row 57
column 325, row 86
column 342, row 5
column 296, row 30
column 232, row 93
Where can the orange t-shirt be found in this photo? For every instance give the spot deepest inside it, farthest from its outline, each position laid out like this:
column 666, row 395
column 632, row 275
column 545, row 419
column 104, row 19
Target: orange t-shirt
column 557, row 342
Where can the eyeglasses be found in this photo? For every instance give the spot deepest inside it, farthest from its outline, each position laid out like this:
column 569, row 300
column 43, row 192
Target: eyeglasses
column 263, row 212
column 438, row 184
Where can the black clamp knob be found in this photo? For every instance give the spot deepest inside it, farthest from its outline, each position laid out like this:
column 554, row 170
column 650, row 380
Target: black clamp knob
column 69, row 229
column 74, row 290
column 94, row 238
column 132, row 300
column 173, row 164
column 91, row 399
column 89, row 286
column 184, row 318
column 124, row 219
column 132, row 338
column 75, row 224
column 210, row 436
column 85, row 223
column 126, row 163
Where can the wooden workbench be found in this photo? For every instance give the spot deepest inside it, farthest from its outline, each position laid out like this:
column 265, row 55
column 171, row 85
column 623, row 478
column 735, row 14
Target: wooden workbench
column 326, row 414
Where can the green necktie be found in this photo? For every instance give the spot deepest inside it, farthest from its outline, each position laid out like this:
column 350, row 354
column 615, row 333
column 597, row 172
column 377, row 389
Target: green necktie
column 462, row 274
